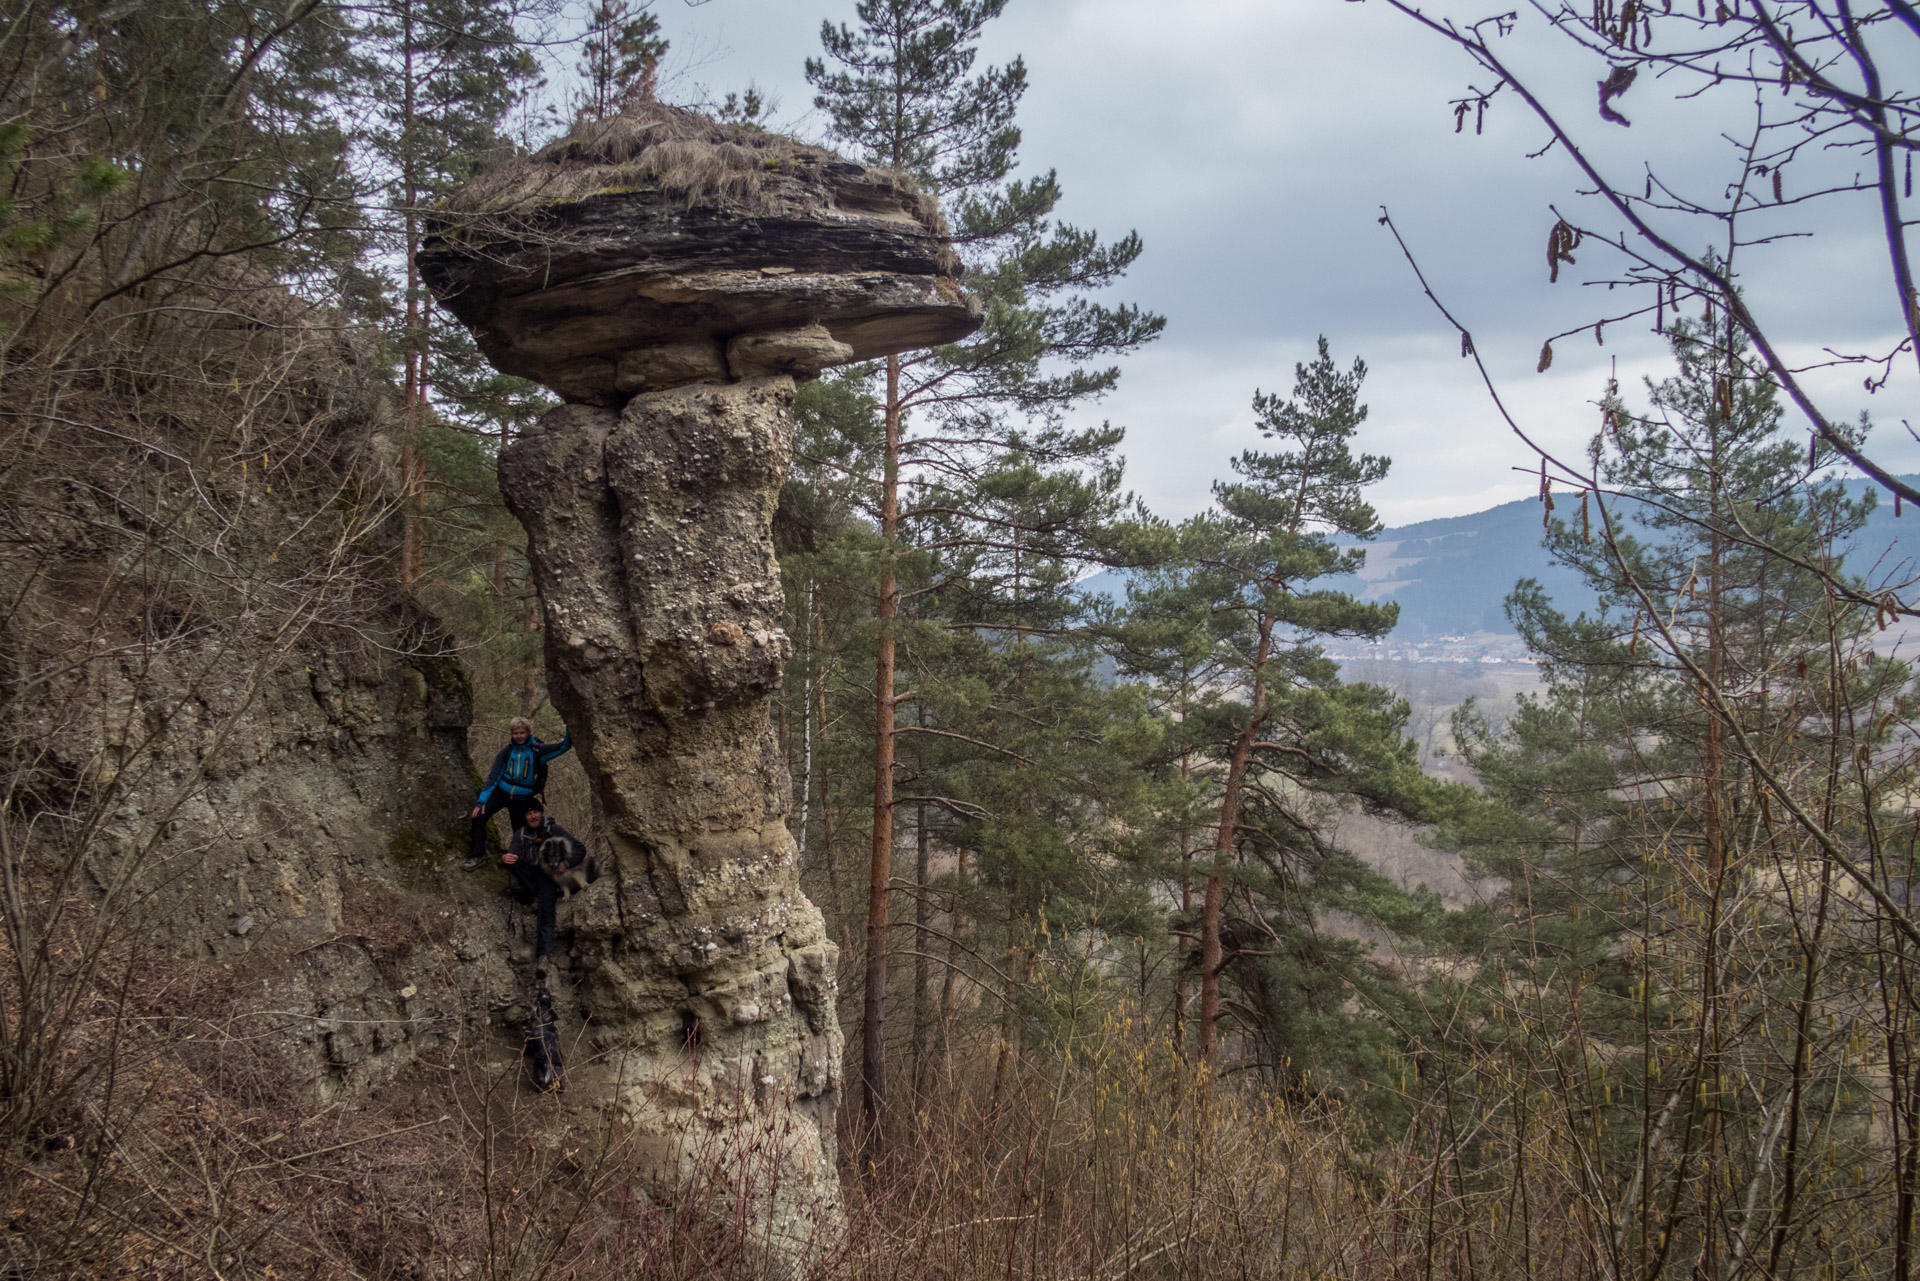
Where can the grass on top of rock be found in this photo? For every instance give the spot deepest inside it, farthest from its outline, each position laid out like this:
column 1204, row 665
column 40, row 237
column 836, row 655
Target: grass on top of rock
column 681, row 152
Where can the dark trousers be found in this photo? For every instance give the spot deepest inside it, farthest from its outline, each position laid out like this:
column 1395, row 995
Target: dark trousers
column 516, row 808
column 545, row 895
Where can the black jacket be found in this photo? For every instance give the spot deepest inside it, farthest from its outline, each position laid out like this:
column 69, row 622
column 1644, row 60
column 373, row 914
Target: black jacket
column 525, row 845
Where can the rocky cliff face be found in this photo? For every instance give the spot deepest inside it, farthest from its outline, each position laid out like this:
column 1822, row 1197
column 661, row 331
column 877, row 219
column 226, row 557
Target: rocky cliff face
column 227, row 740
column 672, row 278
column 313, row 855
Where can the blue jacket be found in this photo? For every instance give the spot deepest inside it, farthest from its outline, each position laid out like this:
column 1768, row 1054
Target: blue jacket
column 521, row 768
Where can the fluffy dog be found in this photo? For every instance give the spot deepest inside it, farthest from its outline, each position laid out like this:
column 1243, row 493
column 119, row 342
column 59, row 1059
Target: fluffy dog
column 569, row 863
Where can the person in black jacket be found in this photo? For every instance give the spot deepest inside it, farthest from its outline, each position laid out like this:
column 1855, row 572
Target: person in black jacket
column 523, row 860
column 518, row 777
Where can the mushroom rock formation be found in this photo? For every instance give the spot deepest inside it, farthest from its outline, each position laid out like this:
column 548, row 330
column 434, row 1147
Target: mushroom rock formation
column 671, row 278
column 657, row 249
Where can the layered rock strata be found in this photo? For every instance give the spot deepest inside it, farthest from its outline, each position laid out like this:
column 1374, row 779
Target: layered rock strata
column 676, row 317
column 254, row 749
column 632, row 257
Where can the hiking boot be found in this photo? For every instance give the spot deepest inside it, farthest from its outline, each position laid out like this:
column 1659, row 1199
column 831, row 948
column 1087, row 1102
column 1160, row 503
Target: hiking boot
column 474, row 864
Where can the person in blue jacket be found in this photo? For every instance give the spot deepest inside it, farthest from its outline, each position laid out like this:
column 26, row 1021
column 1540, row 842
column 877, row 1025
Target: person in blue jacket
column 518, row 776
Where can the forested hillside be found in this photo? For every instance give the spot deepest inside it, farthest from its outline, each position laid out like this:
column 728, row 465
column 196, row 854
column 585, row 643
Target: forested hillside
column 817, row 533
column 1451, row 576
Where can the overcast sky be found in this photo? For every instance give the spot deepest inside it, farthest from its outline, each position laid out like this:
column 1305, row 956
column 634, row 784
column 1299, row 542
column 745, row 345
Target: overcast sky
column 1252, row 142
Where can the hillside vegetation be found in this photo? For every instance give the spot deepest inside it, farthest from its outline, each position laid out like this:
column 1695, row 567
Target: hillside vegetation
column 1171, row 946
column 1451, row 576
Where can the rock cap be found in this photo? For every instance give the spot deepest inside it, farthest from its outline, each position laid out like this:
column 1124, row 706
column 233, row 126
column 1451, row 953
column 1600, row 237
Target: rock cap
column 659, row 247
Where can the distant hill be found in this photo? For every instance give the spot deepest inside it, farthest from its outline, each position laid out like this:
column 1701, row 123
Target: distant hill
column 1451, row 576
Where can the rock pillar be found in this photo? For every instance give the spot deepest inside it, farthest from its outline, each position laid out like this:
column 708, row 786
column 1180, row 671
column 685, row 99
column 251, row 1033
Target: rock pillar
column 710, row 976
column 671, row 278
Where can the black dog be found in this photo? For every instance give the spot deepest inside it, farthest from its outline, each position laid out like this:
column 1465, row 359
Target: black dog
column 569, row 863
column 543, row 1042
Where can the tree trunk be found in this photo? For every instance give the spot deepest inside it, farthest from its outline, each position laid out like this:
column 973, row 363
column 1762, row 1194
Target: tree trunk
column 413, row 479
column 922, row 915
column 784, row 732
column 1181, row 995
column 1212, row 958
column 1713, row 771
column 1009, row 1029
column 410, row 556
column 530, row 668
column 839, row 904
column 952, row 966
column 880, row 872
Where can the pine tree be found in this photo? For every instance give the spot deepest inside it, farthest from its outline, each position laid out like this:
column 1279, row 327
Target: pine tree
column 619, row 56
column 444, row 76
column 903, row 93
column 1663, row 911
column 1230, row 621
column 145, row 147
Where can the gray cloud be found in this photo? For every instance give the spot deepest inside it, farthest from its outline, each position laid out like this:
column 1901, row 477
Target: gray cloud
column 1251, row 143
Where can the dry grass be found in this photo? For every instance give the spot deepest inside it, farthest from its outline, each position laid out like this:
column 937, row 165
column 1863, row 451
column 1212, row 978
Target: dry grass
column 1101, row 1166
column 187, row 1153
column 1105, row 1164
column 650, row 144
column 192, row 1158
column 185, row 1142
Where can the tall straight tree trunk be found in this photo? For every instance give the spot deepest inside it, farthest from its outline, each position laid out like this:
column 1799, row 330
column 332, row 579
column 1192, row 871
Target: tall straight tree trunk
column 413, row 486
column 1713, row 772
column 1713, row 766
column 784, row 732
column 409, row 523
column 1009, row 1026
column 1009, row 1029
column 922, row 916
column 826, row 805
column 880, row 871
column 1212, row 958
column 1180, row 988
column 952, row 966
column 530, row 668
